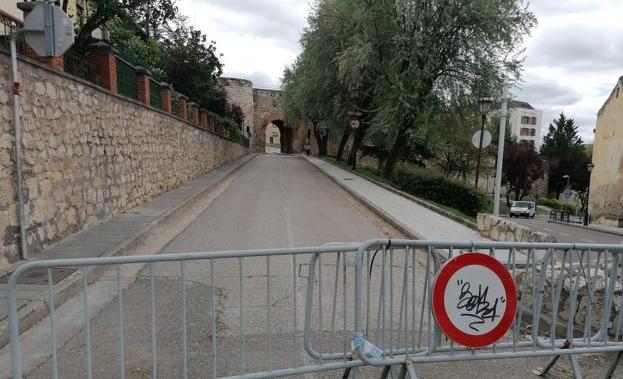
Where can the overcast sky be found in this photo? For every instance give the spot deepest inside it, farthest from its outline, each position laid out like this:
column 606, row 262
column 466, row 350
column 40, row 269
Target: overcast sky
column 573, row 57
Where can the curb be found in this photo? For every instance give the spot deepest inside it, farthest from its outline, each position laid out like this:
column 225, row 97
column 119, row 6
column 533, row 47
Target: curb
column 595, row 229
column 432, row 207
column 35, row 311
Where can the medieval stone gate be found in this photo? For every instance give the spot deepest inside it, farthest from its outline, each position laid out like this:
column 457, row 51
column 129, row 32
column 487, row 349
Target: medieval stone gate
column 262, row 107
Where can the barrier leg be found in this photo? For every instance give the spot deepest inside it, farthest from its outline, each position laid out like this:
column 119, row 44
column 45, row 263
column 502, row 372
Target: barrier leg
column 543, row 371
column 385, row 373
column 403, row 372
column 411, row 371
column 613, row 364
column 575, row 366
column 348, row 370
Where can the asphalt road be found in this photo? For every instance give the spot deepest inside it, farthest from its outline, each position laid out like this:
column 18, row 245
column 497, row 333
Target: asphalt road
column 275, row 201
column 569, row 233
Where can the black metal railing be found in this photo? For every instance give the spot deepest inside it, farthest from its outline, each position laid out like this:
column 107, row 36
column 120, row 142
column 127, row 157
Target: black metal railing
column 154, row 94
column 175, row 104
column 78, row 64
column 126, row 79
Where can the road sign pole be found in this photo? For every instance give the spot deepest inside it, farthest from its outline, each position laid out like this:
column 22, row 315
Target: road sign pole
column 18, row 148
column 482, row 135
column 498, row 171
column 48, row 30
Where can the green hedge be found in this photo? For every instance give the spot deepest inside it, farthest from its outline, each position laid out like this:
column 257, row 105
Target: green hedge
column 438, row 188
column 232, row 131
column 555, row 204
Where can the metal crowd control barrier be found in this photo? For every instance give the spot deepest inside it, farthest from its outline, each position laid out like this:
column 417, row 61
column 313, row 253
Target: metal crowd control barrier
column 274, row 313
column 567, row 297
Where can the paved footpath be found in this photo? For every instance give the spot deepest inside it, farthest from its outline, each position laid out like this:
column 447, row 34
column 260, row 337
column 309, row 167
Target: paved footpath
column 418, row 221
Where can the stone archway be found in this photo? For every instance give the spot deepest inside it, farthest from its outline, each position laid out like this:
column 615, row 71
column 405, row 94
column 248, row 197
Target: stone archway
column 286, row 133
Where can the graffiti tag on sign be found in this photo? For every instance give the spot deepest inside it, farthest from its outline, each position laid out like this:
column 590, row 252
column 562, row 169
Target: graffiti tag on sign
column 474, row 299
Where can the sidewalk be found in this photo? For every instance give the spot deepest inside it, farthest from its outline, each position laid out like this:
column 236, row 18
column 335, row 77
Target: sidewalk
column 598, row 228
column 412, row 219
column 117, row 236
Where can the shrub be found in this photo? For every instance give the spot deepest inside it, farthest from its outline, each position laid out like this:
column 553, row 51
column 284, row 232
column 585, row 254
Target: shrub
column 556, row 204
column 231, row 129
column 436, row 187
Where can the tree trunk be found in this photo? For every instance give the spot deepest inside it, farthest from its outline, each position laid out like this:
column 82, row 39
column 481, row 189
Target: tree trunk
column 322, row 142
column 343, row 141
column 396, row 152
column 358, row 140
column 508, row 198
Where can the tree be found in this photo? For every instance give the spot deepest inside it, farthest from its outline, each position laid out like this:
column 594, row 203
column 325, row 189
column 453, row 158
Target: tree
column 441, row 45
column 191, row 63
column 180, row 56
column 564, row 149
column 522, row 167
column 148, row 17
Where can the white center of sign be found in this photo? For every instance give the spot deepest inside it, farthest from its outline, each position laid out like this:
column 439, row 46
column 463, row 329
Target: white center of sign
column 475, row 299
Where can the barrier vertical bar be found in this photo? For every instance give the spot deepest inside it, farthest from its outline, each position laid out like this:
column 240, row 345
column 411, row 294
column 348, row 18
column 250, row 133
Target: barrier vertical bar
column 120, row 325
column 213, row 325
column 52, row 326
column 184, row 329
column 268, row 316
column 87, row 323
column 152, row 298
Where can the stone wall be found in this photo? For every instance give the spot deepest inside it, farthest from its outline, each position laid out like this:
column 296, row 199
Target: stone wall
column 240, row 93
column 90, row 154
column 505, row 230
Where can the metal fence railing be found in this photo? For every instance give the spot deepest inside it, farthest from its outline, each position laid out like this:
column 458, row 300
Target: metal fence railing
column 175, row 104
column 154, row 94
column 280, row 312
column 79, row 65
column 126, row 79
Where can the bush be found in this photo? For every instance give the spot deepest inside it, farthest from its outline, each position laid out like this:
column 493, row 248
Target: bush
column 435, row 187
column 231, row 129
column 555, row 204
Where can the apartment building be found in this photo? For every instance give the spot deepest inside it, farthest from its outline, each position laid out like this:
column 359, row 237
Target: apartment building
column 525, row 123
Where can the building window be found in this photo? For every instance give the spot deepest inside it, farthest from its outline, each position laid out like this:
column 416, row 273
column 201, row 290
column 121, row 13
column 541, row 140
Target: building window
column 528, row 132
column 617, row 91
column 532, row 120
column 525, row 120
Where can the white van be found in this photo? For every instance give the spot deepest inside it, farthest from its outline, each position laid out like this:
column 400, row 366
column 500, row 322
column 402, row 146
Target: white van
column 523, row 208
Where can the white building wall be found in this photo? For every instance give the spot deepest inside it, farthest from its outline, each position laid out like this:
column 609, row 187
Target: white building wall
column 518, row 122
column 10, row 7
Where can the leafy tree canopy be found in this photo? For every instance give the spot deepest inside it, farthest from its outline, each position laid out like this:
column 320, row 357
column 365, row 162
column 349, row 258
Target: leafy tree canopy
column 402, row 62
column 522, row 167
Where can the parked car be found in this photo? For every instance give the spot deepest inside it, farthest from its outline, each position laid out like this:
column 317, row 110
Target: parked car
column 523, row 208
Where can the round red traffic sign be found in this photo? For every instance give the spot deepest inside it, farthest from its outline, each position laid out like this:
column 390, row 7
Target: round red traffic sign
column 474, row 299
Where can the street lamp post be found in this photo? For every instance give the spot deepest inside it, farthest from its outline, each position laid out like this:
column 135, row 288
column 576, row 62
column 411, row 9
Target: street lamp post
column 485, row 105
column 464, row 164
column 590, row 168
column 568, row 177
column 500, row 160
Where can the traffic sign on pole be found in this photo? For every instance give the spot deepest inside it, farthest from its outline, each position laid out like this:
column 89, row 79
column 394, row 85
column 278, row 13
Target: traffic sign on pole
column 474, row 299
column 48, row 30
column 486, row 139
